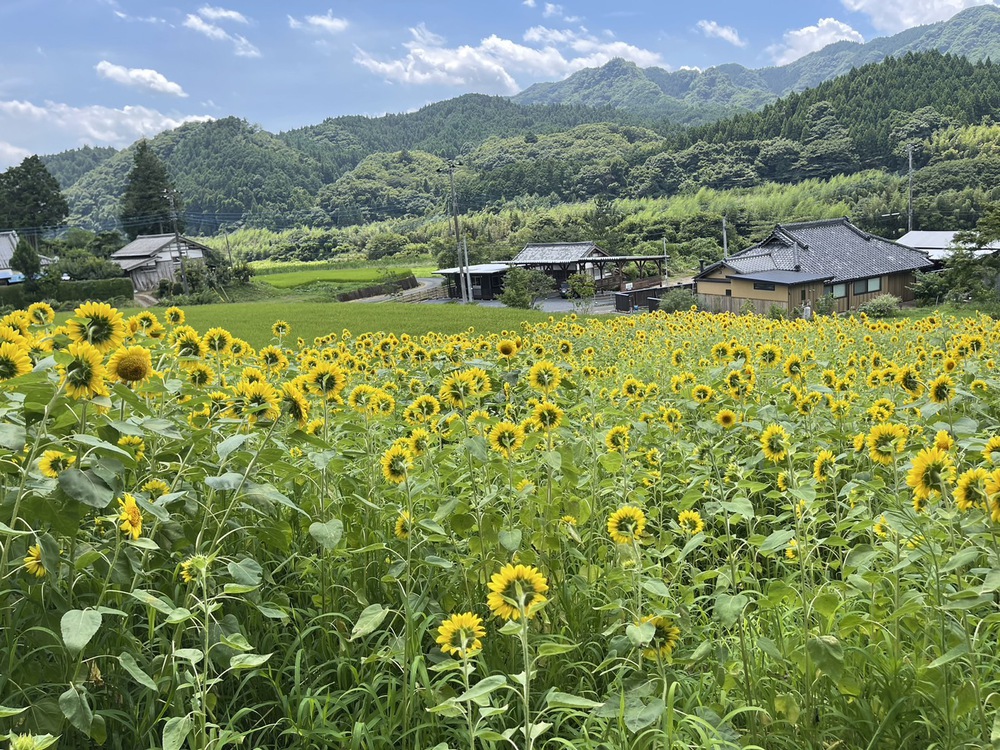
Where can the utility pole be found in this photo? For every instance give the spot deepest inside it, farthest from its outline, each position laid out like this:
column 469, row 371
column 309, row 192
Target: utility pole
column 909, row 211
column 172, row 196
column 725, row 239
column 468, row 275
column 450, row 169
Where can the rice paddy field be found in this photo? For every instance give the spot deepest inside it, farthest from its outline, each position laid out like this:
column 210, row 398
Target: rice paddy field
column 649, row 531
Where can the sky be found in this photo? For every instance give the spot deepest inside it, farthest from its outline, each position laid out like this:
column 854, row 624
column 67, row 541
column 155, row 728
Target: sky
column 108, row 72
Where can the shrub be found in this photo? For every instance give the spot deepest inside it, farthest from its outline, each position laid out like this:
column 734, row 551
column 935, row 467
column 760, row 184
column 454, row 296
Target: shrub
column 749, row 308
column 777, row 312
column 100, row 290
column 677, row 300
column 883, row 306
column 825, row 305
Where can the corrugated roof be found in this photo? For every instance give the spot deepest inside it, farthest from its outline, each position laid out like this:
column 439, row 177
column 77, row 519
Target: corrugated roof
column 482, row 268
column 8, row 241
column 939, row 245
column 145, row 245
column 831, row 249
column 556, row 252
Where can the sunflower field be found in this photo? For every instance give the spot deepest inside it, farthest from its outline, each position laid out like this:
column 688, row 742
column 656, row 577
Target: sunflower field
column 650, row 532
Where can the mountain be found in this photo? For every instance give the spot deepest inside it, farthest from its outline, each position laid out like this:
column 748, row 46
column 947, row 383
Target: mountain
column 697, row 97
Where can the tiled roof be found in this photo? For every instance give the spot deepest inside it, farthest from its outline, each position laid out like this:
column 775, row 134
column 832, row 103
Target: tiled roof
column 834, row 249
column 557, row 252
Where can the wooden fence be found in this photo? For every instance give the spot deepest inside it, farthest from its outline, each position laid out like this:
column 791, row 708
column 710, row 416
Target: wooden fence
column 718, row 303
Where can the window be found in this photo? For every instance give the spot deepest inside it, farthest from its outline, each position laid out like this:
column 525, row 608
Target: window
column 837, row 291
column 729, row 292
column 866, row 286
column 763, row 286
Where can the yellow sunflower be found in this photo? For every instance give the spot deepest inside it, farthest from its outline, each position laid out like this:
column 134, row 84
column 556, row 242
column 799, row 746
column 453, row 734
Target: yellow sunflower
column 55, row 462
column 130, row 516
column 84, row 376
column 404, row 524
column 824, row 466
column 544, row 376
column 516, row 590
column 506, row 438
column 774, row 443
column 932, row 470
column 690, row 522
column 461, row 635
column 14, row 360
column 970, row 491
column 396, row 462
column 97, row 324
column 617, row 439
column 666, row 636
column 626, row 524
column 33, row 561
column 131, row 364
column 726, row 418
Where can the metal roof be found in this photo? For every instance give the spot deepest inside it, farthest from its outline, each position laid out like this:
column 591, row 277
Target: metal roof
column 831, row 249
column 8, row 241
column 482, row 268
column 557, row 252
column 939, row 245
column 148, row 245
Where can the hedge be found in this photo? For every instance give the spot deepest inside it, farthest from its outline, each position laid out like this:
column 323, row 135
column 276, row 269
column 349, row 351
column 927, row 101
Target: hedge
column 398, row 284
column 17, row 295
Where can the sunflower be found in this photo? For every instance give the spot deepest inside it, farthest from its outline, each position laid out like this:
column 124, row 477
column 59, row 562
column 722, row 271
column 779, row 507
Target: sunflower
column 360, row 397
column 932, row 469
column 690, row 522
column 41, row 313
column 885, row 441
column 33, row 561
column 793, row 366
column 280, row 329
column 792, row 550
column 941, row 388
column 666, row 635
column 544, row 376
column 295, row 403
column 992, row 447
column 626, row 524
column 617, row 439
column 14, row 360
column 419, row 442
column 135, row 444
column 381, row 404
column 506, row 438
column 156, row 488
column 774, row 443
column 824, row 466
column 174, row 316
column 256, row 401
column 507, row 348
column 199, row 374
column 970, row 492
column 130, row 364
column 84, row 376
column 546, row 416
column 396, row 462
column 98, row 324
column 782, row 481
column 187, row 343
column 457, row 390
column 218, row 340
column 908, row 379
column 252, row 375
column 516, row 590
column 54, row 462
column 461, row 635
column 404, row 525
column 944, row 440
column 726, row 418
column 327, row 379
column 702, row 393
column 130, row 516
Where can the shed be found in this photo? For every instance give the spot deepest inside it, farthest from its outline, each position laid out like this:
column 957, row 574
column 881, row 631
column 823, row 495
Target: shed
column 149, row 258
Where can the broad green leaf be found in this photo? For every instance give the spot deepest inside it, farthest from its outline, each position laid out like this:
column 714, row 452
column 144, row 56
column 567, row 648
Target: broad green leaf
column 777, row 540
column 12, row 437
column 640, row 717
column 510, row 540
column 729, row 607
column 86, row 487
column 76, row 708
column 78, row 626
column 175, row 732
column 231, row 443
column 129, row 665
column 225, row 482
column 246, row 572
column 480, row 692
column 6, row 530
column 554, row 649
column 556, row 699
column 369, row 620
column 248, row 661
column 6, row 712
column 329, row 534
column 656, row 587
column 954, row 653
column 827, row 655
column 438, row 562
column 787, row 706
column 193, row 655
column 158, row 603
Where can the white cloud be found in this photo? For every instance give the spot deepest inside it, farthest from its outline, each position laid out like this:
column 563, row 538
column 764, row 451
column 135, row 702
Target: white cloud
column 800, row 42
column 11, row 155
column 241, row 45
column 529, row 3
column 895, row 15
column 221, row 14
column 327, row 24
column 139, row 19
column 54, row 126
column 554, row 10
column 491, row 65
column 142, row 78
column 726, row 33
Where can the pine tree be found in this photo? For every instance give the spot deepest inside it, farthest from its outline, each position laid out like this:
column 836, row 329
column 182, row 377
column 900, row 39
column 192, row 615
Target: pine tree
column 145, row 207
column 31, row 198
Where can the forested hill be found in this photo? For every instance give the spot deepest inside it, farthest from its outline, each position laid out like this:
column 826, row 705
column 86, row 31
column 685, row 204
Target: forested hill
column 698, row 97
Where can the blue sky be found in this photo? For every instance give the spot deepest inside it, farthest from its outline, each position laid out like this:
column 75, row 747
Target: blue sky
column 107, row 72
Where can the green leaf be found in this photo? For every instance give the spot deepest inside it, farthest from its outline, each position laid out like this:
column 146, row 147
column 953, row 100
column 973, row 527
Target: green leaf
column 86, row 487
column 480, row 692
column 6, row 530
column 329, row 534
column 268, row 494
column 369, row 620
column 248, row 661
column 227, row 446
column 438, row 562
column 78, row 626
column 129, row 665
column 175, row 732
column 554, row 649
column 225, row 482
column 510, row 540
column 827, row 655
column 158, row 603
column 193, row 655
column 787, row 706
column 728, row 608
column 12, row 437
column 656, row 587
column 556, row 699
column 246, row 572
column 75, row 707
column 640, row 716
column 6, row 712
column 739, row 506
column 955, row 653
column 777, row 540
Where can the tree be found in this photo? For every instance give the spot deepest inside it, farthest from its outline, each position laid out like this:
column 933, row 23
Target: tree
column 25, row 260
column 145, row 207
column 30, row 198
column 79, row 265
column 522, row 286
